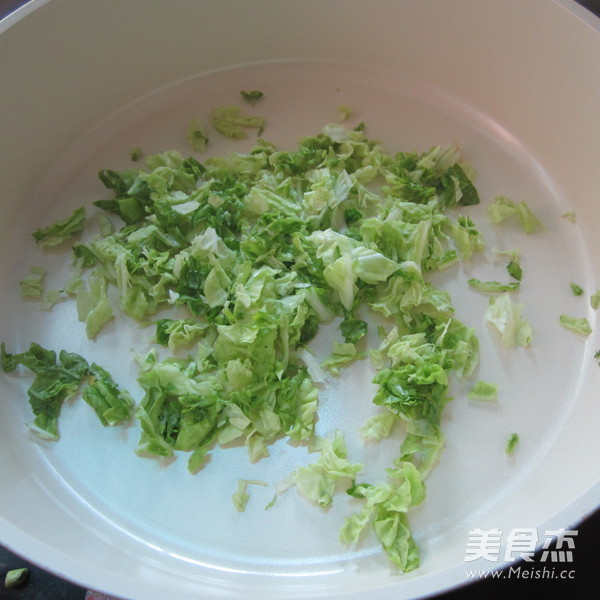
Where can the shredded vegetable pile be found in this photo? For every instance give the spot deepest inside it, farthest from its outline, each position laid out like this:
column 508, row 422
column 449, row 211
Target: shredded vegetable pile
column 236, row 262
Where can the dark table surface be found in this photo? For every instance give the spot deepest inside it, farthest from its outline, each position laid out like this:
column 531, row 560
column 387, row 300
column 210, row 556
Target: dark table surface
column 580, row 574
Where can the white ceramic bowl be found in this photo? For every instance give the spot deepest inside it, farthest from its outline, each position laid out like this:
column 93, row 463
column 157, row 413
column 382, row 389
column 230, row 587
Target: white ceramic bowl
column 515, row 82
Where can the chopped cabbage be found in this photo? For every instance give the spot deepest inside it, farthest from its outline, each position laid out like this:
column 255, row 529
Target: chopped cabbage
column 237, row 261
column 579, row 325
column 483, row 391
column 505, row 316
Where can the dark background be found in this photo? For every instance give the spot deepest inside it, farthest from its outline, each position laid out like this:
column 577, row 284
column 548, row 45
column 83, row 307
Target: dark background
column 586, row 554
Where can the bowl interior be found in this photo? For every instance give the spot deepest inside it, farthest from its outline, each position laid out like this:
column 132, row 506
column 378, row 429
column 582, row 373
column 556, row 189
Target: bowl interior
column 144, row 528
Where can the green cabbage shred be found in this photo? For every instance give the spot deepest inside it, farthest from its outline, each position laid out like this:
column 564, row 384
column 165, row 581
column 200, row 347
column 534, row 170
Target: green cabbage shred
column 196, row 136
column 578, row 324
column 570, row 215
column 505, row 316
column 229, row 121
column 59, row 378
column 16, row 577
column 482, row 391
column 576, row 289
column 241, row 496
column 511, row 443
column 32, row 285
column 252, row 96
column 503, row 208
column 61, row 230
column 515, row 270
column 493, row 286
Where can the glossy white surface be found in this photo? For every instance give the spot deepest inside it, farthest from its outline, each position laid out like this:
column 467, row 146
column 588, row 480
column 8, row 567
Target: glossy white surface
column 84, row 82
